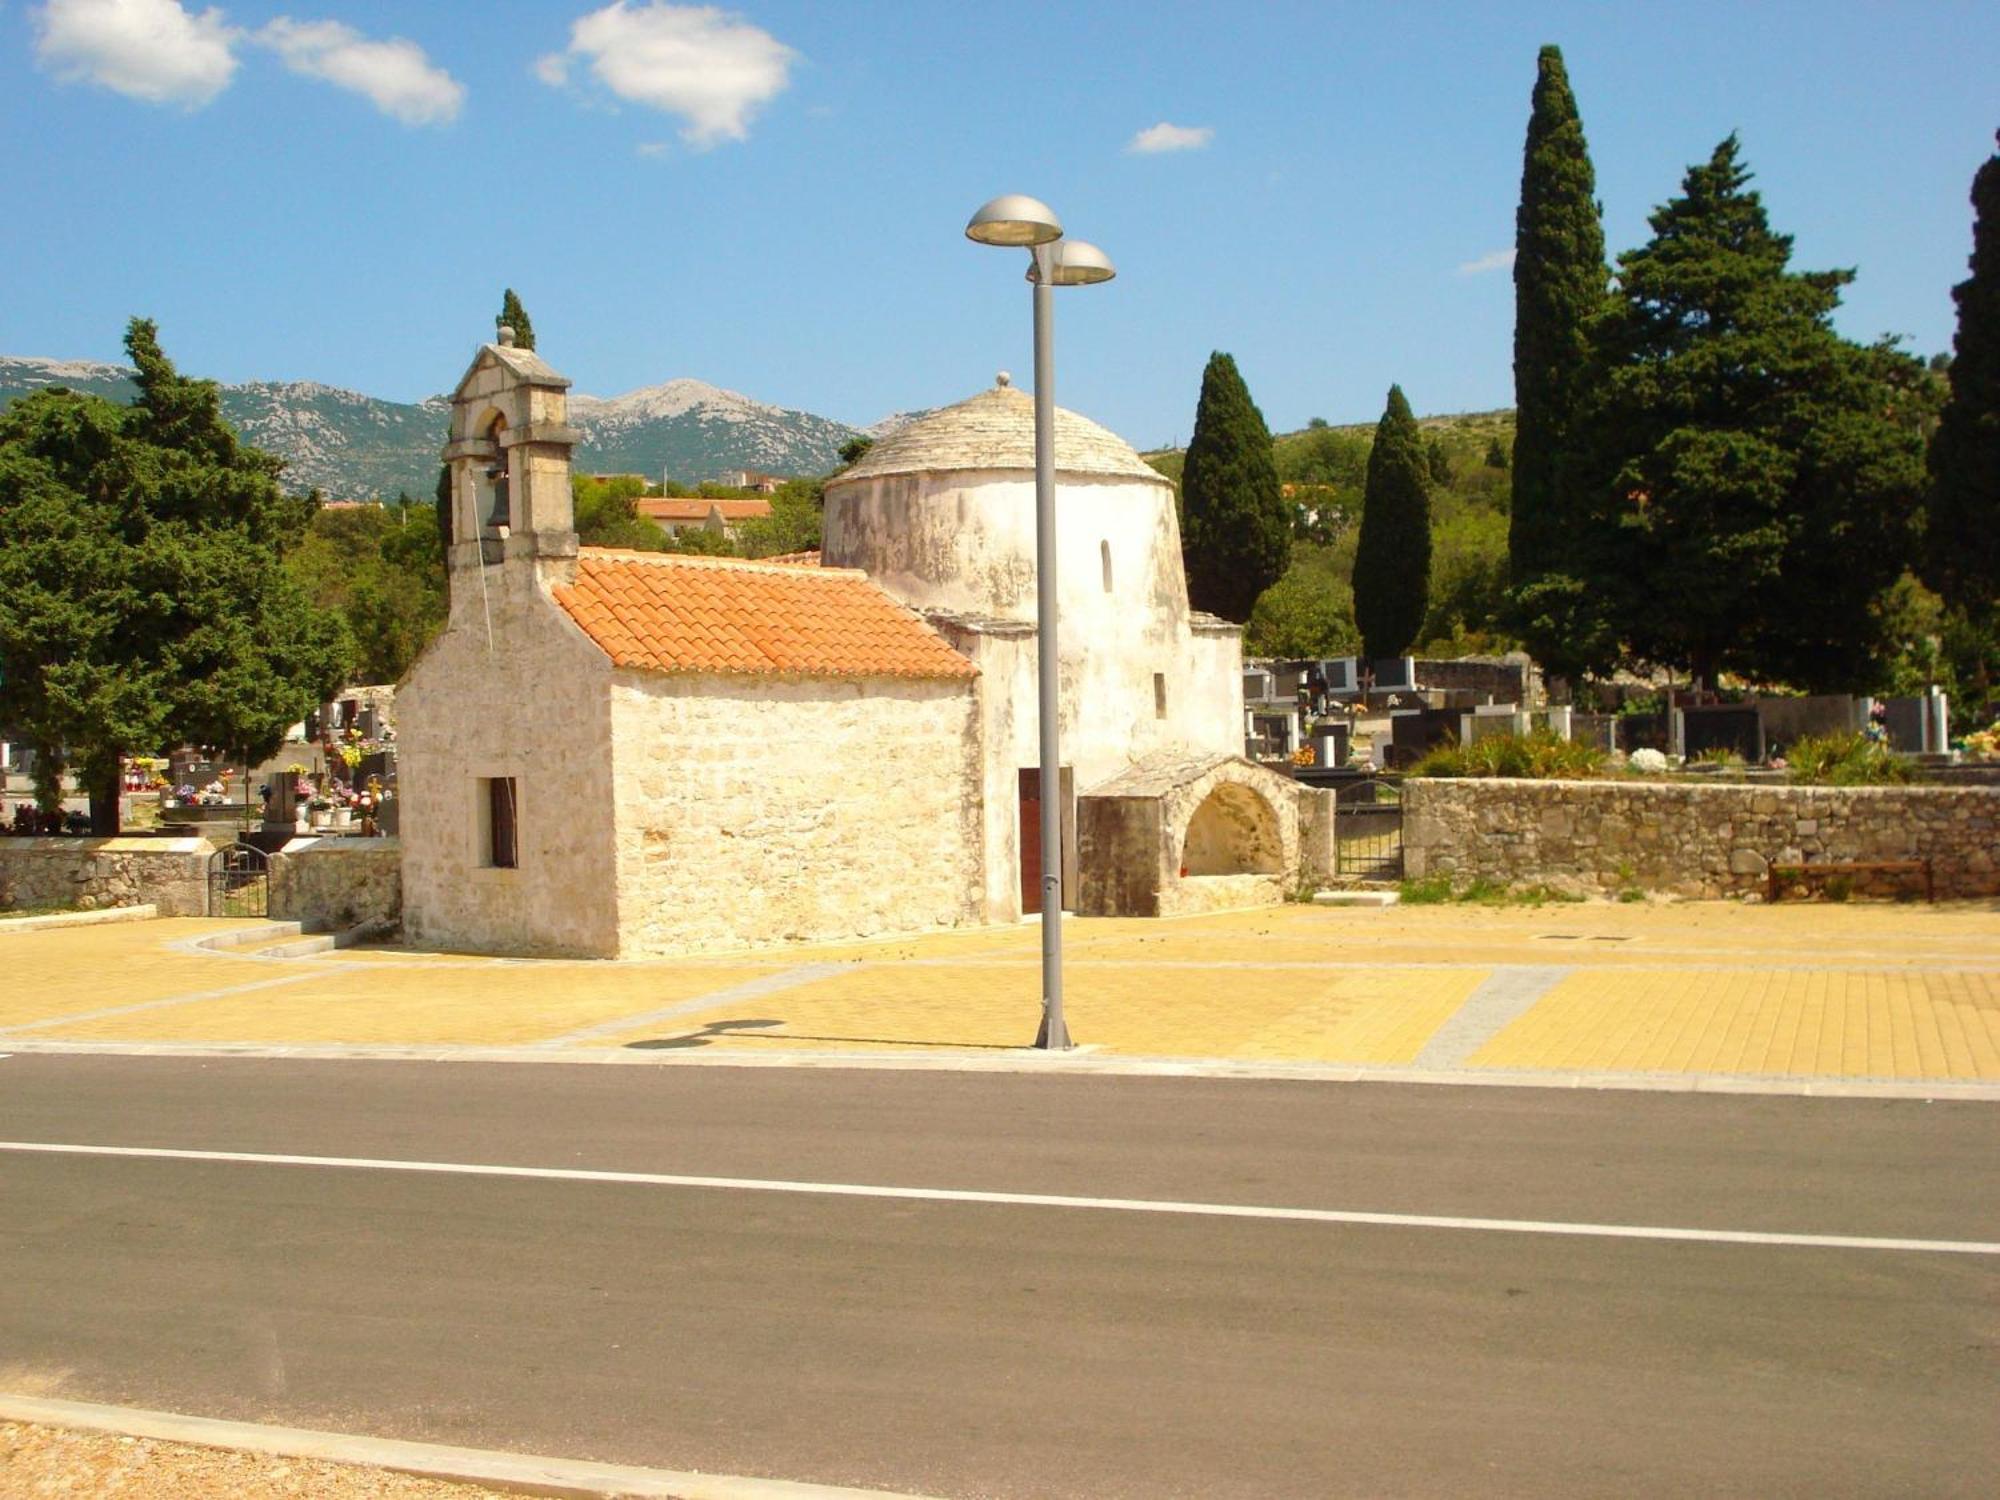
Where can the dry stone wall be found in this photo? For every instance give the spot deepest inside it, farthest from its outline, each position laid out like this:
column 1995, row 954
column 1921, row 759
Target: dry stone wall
column 1691, row 840
column 334, row 884
column 92, row 874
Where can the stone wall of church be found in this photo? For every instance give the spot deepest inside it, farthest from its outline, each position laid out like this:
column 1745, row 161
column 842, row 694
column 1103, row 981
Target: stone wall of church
column 532, row 703
column 757, row 810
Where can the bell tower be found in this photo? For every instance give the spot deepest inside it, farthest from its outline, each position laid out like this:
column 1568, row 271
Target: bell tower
column 509, row 458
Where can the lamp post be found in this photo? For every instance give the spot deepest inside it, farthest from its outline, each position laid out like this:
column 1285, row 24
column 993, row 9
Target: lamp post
column 1026, row 223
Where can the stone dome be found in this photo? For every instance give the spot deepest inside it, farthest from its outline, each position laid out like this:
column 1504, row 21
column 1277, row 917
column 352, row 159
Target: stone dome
column 996, row 430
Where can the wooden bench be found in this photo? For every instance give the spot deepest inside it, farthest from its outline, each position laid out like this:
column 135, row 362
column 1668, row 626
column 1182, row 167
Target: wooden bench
column 1819, row 871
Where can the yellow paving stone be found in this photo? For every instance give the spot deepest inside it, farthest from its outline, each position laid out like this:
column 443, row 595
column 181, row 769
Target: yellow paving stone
column 1378, row 1016
column 499, row 1006
column 60, row 971
column 1854, row 1025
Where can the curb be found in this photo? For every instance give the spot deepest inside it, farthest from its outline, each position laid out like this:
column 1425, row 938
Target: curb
column 522, row 1473
column 1081, row 1062
column 79, row 918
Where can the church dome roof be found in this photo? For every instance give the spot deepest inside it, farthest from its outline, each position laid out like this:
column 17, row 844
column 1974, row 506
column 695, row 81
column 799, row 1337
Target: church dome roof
column 996, row 430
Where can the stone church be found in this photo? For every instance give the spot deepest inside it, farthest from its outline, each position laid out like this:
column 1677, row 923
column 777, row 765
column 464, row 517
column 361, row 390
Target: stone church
column 620, row 754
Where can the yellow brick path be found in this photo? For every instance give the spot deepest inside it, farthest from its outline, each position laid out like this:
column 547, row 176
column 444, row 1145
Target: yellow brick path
column 1806, row 991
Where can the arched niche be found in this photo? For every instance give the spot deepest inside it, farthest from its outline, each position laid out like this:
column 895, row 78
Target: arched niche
column 1233, row 832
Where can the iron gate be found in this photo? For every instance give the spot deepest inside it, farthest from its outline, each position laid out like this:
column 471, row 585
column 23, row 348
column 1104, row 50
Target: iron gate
column 239, row 882
column 1368, row 830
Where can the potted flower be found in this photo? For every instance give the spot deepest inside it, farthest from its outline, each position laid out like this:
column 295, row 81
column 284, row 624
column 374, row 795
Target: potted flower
column 319, row 809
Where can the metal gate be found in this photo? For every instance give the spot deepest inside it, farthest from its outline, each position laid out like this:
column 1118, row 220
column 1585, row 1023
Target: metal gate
column 1368, row 830
column 239, row 882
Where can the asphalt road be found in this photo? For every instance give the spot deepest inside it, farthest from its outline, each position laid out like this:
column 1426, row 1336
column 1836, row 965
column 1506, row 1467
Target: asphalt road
column 968, row 1348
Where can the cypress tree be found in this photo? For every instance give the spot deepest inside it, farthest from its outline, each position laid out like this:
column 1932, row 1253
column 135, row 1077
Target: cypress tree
column 1392, row 559
column 1746, row 479
column 1236, row 537
column 1964, row 540
column 1559, row 287
column 515, row 317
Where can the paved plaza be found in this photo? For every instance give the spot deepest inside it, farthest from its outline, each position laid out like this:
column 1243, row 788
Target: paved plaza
column 1653, row 995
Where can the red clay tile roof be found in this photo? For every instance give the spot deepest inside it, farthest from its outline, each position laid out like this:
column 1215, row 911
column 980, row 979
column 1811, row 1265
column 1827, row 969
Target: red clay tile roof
column 665, row 612
column 689, row 508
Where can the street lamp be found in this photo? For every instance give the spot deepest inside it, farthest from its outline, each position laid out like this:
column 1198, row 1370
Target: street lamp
column 1027, row 223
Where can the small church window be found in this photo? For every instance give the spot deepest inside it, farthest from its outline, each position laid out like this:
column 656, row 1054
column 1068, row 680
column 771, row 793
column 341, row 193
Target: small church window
column 502, row 819
column 1104, row 556
column 1159, row 695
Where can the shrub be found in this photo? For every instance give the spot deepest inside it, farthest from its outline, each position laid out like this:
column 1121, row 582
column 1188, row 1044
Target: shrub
column 1540, row 756
column 1845, row 760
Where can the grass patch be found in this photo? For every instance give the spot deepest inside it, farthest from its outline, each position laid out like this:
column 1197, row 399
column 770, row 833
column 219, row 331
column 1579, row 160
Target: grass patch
column 1846, row 760
column 1540, row 756
column 1439, row 890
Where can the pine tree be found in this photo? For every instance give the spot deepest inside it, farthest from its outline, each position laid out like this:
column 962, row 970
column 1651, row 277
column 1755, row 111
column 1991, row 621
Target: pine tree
column 143, row 601
column 1559, row 287
column 1742, row 480
column 1392, row 559
column 1964, row 537
column 515, row 316
column 1235, row 534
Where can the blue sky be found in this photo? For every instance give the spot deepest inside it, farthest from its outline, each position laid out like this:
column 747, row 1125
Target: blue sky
column 771, row 197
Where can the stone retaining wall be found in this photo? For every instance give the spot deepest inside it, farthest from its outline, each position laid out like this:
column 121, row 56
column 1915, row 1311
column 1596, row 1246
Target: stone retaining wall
column 1691, row 840
column 92, row 874
column 337, row 883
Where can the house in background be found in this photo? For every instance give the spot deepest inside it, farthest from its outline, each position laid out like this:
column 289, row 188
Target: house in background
column 676, row 513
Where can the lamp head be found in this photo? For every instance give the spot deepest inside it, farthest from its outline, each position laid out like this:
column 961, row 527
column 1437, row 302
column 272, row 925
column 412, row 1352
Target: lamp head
column 1014, row 219
column 1077, row 263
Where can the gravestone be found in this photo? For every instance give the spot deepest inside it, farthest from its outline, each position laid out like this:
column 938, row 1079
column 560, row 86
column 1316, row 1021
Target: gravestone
column 1735, row 727
column 1414, row 733
column 1642, row 732
column 1330, row 742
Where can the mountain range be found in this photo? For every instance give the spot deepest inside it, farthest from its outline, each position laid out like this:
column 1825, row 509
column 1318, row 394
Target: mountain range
column 352, row 446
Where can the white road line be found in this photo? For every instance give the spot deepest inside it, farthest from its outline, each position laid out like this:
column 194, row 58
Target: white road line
column 1029, row 1200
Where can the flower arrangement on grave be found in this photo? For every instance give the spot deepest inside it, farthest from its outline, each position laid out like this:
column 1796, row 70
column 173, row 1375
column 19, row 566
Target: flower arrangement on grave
column 1647, row 762
column 1983, row 744
column 1303, row 756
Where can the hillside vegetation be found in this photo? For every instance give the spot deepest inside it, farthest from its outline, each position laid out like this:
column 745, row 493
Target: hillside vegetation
column 1310, row 611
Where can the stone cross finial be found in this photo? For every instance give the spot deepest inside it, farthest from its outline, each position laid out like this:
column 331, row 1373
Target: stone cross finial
column 505, row 337
column 1003, row 380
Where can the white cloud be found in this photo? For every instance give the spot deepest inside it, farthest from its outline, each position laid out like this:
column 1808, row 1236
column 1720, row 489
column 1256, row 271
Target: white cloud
column 1165, row 137
column 653, row 148
column 145, row 49
column 710, row 67
column 1492, row 260
column 395, row 75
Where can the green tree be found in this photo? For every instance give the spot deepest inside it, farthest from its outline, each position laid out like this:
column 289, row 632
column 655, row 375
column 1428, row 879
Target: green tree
column 1963, row 551
column 793, row 525
column 1236, row 533
column 1392, row 560
column 143, row 600
column 1745, row 480
column 1310, row 611
column 1559, row 288
column 381, row 569
column 1496, row 455
column 607, row 514
column 1437, row 463
column 515, row 316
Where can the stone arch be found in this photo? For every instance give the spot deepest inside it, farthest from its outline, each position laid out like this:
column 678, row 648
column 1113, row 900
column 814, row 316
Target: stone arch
column 1234, row 831
column 495, row 493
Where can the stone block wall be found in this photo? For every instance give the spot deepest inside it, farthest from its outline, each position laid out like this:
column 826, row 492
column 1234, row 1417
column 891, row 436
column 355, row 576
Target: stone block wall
column 92, row 874
column 762, row 809
column 334, row 884
column 1691, row 840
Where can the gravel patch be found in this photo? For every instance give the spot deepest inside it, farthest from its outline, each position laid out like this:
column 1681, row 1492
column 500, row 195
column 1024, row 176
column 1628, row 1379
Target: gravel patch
column 39, row 1463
